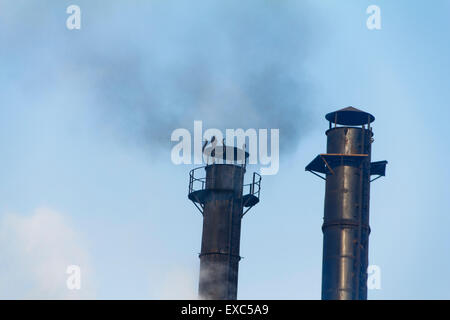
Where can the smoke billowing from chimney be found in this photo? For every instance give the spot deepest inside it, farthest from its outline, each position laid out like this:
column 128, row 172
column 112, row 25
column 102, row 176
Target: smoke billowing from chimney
column 147, row 68
column 231, row 64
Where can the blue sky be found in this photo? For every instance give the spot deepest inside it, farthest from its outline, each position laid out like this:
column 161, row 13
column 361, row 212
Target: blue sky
column 85, row 166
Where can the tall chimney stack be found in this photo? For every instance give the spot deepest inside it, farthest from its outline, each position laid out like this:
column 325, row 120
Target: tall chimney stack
column 218, row 191
column 348, row 169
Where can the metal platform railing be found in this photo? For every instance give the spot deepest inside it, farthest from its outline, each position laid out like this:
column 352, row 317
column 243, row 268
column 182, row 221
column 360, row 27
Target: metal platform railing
column 254, row 188
column 197, row 182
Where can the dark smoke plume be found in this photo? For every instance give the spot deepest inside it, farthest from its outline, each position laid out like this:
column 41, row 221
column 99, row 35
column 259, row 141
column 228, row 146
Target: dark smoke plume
column 232, row 64
column 155, row 66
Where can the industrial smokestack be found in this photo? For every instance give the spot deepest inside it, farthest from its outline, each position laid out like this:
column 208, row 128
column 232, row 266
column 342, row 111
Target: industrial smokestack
column 348, row 169
column 221, row 196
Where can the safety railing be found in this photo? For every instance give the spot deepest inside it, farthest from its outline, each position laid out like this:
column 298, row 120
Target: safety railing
column 253, row 188
column 197, row 182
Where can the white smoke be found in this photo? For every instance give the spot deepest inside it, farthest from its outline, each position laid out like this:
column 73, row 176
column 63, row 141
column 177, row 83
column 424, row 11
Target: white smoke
column 176, row 284
column 35, row 251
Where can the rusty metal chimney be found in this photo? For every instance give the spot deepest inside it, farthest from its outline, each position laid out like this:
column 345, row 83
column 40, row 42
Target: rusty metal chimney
column 218, row 191
column 347, row 170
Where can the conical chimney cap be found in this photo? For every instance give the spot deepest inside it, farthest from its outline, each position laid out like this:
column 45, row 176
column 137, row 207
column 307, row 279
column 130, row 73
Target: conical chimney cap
column 350, row 117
